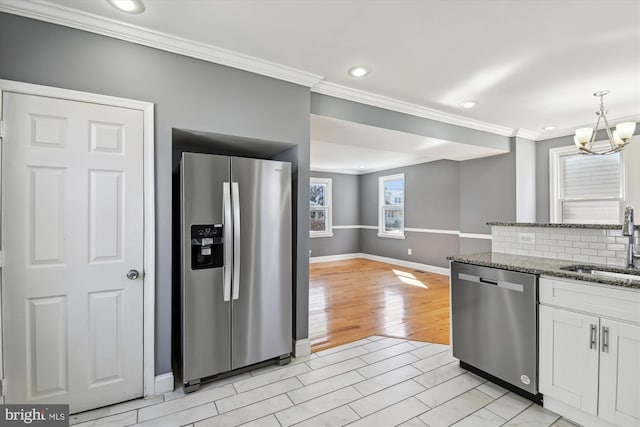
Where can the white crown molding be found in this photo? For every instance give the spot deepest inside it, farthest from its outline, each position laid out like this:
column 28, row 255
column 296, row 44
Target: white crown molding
column 68, row 17
column 556, row 133
column 394, row 165
column 61, row 15
column 526, row 134
column 332, row 89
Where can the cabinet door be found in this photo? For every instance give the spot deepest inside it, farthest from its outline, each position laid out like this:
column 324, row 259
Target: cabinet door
column 620, row 373
column 569, row 357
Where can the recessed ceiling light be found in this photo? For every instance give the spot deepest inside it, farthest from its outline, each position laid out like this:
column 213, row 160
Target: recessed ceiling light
column 548, row 127
column 361, row 166
column 130, row 6
column 469, row 104
column 359, row 71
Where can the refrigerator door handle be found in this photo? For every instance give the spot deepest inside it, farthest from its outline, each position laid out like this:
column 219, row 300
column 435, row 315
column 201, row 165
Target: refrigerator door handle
column 235, row 194
column 228, row 244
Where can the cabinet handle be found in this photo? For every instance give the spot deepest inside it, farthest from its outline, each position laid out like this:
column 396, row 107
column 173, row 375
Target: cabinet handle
column 605, row 339
column 592, row 337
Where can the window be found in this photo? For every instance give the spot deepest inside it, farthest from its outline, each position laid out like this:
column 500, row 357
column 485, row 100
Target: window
column 585, row 189
column 391, row 206
column 320, row 207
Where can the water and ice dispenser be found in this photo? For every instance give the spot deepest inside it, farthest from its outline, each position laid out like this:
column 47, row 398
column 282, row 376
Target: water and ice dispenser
column 206, row 246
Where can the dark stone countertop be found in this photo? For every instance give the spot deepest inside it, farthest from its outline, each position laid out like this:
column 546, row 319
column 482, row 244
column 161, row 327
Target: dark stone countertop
column 557, row 225
column 547, row 267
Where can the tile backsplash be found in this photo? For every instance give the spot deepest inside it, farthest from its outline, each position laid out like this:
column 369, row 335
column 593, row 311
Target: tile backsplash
column 581, row 245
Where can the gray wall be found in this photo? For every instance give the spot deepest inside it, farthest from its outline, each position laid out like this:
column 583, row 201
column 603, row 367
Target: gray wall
column 428, row 248
column 187, row 93
column 431, row 201
column 431, row 195
column 542, row 174
column 345, row 196
column 443, row 195
column 487, row 191
column 343, row 241
column 345, row 190
column 472, row 246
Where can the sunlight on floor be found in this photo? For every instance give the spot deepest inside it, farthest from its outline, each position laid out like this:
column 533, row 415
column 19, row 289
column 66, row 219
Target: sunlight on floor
column 394, row 313
column 409, row 279
column 318, row 313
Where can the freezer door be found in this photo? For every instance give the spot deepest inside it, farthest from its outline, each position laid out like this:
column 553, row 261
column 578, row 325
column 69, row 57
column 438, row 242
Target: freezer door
column 261, row 301
column 206, row 316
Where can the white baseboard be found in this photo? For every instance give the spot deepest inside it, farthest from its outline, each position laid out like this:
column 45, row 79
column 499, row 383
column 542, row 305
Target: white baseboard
column 334, row 257
column 164, row 383
column 301, row 347
column 573, row 414
column 415, row 265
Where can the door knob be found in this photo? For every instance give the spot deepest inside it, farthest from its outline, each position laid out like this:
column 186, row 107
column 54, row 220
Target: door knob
column 132, row 274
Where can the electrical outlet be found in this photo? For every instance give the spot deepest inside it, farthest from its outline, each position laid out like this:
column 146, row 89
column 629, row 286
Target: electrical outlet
column 527, row 238
column 409, row 251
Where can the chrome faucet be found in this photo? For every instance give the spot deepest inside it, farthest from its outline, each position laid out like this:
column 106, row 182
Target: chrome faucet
column 628, row 229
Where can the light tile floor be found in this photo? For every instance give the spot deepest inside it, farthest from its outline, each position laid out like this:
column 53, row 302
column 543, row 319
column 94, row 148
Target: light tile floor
column 376, row 381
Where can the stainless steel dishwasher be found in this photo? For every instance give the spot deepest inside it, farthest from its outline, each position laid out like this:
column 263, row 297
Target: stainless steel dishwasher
column 494, row 325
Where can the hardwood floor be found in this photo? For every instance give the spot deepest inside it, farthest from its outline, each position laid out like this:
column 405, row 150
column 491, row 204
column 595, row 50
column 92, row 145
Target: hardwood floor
column 353, row 299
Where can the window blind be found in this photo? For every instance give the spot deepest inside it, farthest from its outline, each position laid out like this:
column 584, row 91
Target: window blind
column 591, row 211
column 590, row 177
column 590, row 188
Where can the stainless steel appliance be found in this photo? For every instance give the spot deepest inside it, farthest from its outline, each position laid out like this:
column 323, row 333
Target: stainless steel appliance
column 494, row 324
column 236, row 292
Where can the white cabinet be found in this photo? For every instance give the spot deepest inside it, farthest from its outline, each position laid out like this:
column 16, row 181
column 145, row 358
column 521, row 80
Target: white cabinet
column 568, row 360
column 589, row 350
column 620, row 373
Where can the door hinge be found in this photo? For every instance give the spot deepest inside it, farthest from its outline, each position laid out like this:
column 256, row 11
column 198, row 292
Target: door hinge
column 3, row 387
column 2, row 129
column 1, row 259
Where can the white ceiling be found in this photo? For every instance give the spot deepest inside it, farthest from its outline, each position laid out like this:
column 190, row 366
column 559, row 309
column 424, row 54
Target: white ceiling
column 530, row 63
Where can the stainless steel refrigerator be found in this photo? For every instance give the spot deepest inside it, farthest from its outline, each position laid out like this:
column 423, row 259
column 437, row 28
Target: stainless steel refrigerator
column 236, row 287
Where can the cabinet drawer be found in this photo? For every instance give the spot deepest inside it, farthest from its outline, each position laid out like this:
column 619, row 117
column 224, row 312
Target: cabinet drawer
column 592, row 298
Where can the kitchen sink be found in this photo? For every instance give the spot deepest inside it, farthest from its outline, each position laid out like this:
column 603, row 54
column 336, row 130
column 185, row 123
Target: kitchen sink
column 596, row 271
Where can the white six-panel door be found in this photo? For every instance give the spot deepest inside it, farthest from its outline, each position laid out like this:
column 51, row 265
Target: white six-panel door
column 72, row 213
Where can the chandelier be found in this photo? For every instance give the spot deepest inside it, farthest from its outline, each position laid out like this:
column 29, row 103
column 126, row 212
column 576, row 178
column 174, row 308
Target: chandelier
column 585, row 137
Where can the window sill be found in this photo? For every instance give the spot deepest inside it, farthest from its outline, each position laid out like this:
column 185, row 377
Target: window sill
column 391, row 236
column 314, row 235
